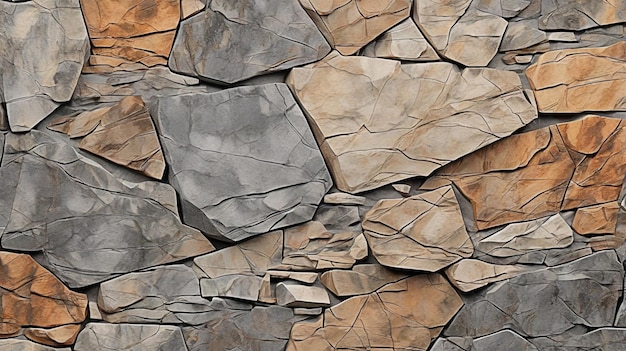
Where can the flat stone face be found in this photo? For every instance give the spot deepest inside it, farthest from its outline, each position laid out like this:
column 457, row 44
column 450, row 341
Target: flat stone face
column 24, row 345
column 377, row 115
column 91, row 226
column 297, row 295
column 392, row 318
column 243, row 160
column 132, row 31
column 522, row 35
column 236, row 286
column 64, row 335
column 403, row 42
column 247, row 38
column 495, row 341
column 599, row 219
column 546, row 302
column 579, row 15
column 534, row 174
column 608, row 339
column 31, row 296
column 423, row 232
column 349, row 25
column 469, row 274
column 123, row 133
column 503, row 8
column 361, row 279
column 561, row 86
column 129, row 337
column 51, row 43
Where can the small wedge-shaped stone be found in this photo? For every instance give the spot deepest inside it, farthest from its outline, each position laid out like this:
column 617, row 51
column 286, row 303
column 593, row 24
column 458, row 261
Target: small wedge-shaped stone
column 578, row 15
column 539, row 173
column 31, row 296
column 405, row 315
column 296, row 295
column 243, row 160
column 423, row 232
column 91, row 226
column 504, row 339
column 43, row 46
column 576, row 80
column 311, row 246
column 130, row 337
column 123, row 133
column 521, row 238
column 242, row 287
column 402, row 42
column 24, row 345
column 599, row 219
column 148, row 296
column 246, row 39
column 546, row 302
column 349, row 25
column 134, row 30
column 469, row 274
column 382, row 122
column 361, row 279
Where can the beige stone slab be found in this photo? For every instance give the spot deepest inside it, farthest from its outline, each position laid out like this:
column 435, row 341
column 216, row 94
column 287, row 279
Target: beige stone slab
column 361, row 279
column 296, row 295
column 402, row 42
column 470, row 274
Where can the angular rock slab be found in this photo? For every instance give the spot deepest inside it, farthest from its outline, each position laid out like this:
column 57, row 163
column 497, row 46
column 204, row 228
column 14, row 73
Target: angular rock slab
column 156, row 295
column 539, row 173
column 132, row 31
column 503, row 8
column 123, row 133
column 495, row 341
column 31, row 296
column 577, row 80
column 599, row 219
column 64, row 335
column 424, row 232
column 246, row 39
column 348, row 25
column 130, row 337
column 548, row 301
column 605, row 339
column 43, row 46
column 90, row 226
column 296, row 295
column 402, row 42
column 381, row 122
column 469, row 274
column 361, row 279
column 242, row 287
column 578, row 15
column 405, row 315
column 24, row 345
column 243, row 160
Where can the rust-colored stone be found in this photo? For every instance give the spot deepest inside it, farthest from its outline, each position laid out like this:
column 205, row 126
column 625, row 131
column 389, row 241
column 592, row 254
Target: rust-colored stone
column 599, row 219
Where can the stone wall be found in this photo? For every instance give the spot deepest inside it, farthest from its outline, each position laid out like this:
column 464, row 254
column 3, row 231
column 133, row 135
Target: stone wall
column 310, row 175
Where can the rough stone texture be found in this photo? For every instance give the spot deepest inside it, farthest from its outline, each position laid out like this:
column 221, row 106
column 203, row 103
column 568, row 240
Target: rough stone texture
column 503, row 8
column 157, row 295
column 496, row 341
column 403, row 42
column 297, row 295
column 31, row 296
column 246, row 39
column 522, row 35
column 599, row 219
column 349, row 25
column 557, row 303
column 242, row 287
column 376, row 110
column 361, row 279
column 243, row 160
column 579, row 15
column 24, row 345
column 90, row 225
column 469, row 274
column 344, row 199
column 423, row 232
column 605, row 339
column 311, row 246
column 123, row 133
column 534, row 174
column 130, row 337
column 132, row 31
column 43, row 45
column 240, row 326
column 524, row 237
column 392, row 318
column 64, row 335
column 560, row 85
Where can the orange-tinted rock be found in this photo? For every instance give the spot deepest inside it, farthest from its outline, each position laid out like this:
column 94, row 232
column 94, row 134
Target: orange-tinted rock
column 32, row 296
column 123, row 133
column 600, row 219
column 576, row 80
column 405, row 315
column 134, row 30
column 64, row 335
column 539, row 173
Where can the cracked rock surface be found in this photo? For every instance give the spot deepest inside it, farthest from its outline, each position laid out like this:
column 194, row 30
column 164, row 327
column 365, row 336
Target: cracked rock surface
column 130, row 337
column 403, row 42
column 233, row 183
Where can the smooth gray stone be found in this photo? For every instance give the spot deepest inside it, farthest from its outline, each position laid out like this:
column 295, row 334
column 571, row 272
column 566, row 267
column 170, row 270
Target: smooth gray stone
column 158, row 292
column 603, row 339
column 546, row 302
column 243, row 160
column 521, row 35
column 129, row 337
column 502, row 340
column 90, row 226
column 235, row 40
column 43, row 46
column 25, row 345
column 258, row 328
